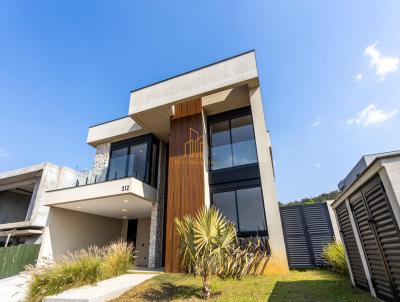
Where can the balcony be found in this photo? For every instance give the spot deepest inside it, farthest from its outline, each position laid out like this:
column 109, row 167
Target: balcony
column 124, row 198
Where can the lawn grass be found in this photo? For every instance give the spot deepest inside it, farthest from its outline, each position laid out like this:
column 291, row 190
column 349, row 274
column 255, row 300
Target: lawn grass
column 316, row 285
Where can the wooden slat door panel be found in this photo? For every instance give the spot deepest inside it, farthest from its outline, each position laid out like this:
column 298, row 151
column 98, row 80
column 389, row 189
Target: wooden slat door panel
column 297, row 248
column 307, row 229
column 380, row 237
column 386, row 229
column 319, row 229
column 350, row 243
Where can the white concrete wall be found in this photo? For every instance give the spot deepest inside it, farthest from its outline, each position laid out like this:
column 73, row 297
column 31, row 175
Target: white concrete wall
column 278, row 263
column 225, row 74
column 115, row 130
column 142, row 241
column 332, row 216
column 69, row 231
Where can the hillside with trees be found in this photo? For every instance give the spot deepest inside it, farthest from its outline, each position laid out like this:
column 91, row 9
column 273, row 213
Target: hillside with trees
column 312, row 200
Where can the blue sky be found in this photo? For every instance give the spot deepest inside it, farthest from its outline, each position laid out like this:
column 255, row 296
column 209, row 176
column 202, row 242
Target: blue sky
column 330, row 93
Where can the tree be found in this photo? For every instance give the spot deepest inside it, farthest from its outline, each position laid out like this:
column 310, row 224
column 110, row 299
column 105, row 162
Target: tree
column 205, row 242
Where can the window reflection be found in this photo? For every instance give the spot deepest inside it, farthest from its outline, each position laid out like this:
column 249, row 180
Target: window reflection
column 244, row 207
column 243, row 143
column 225, row 202
column 137, row 161
column 250, row 208
column 118, row 160
column 134, row 158
column 232, row 142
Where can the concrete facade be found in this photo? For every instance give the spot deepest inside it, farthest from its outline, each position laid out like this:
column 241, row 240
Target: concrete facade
column 28, row 225
column 387, row 166
column 68, row 231
column 94, row 210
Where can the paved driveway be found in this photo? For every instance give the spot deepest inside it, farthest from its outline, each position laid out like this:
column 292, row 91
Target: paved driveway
column 12, row 289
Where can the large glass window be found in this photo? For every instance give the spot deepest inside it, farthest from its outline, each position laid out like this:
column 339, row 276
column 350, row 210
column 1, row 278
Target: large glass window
column 244, row 207
column 137, row 161
column 232, row 141
column 118, row 161
column 225, row 202
column 250, row 209
column 243, row 143
column 221, row 150
column 135, row 157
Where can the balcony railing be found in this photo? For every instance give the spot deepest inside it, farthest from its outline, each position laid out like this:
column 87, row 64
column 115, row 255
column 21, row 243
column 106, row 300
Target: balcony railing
column 100, row 175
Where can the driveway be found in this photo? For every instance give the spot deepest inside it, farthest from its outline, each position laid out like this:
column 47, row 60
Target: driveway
column 12, row 289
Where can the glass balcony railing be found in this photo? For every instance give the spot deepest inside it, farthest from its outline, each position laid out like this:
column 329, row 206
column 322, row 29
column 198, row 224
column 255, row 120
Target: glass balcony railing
column 104, row 174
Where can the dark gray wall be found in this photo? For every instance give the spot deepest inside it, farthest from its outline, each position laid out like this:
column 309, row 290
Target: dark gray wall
column 13, row 206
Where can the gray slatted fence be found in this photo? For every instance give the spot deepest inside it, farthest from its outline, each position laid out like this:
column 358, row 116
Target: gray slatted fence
column 306, row 228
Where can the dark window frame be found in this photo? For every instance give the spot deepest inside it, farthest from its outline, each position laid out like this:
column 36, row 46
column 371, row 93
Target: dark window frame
column 238, row 186
column 227, row 116
column 150, row 140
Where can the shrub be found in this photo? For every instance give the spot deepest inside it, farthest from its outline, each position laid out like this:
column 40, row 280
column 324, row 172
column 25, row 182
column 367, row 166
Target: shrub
column 209, row 246
column 242, row 261
column 205, row 241
column 77, row 269
column 334, row 255
column 118, row 258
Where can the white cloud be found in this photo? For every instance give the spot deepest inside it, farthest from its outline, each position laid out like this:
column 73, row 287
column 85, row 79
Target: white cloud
column 371, row 115
column 316, row 123
column 317, row 165
column 383, row 64
column 358, row 77
column 3, row 153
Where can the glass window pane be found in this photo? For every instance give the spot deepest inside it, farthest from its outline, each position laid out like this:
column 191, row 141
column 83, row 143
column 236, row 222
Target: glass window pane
column 225, row 202
column 221, row 151
column 250, row 209
column 137, row 161
column 117, row 166
column 244, row 146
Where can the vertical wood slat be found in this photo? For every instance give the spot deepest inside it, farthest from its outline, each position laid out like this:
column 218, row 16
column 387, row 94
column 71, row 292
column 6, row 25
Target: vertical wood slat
column 185, row 176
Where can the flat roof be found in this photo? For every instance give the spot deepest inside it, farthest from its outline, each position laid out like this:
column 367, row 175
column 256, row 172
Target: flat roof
column 193, row 70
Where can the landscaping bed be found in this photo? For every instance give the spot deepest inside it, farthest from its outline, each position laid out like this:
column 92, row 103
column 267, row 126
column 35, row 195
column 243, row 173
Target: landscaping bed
column 316, row 285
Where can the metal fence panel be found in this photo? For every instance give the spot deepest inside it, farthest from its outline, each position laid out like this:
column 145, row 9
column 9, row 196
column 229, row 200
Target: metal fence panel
column 306, row 228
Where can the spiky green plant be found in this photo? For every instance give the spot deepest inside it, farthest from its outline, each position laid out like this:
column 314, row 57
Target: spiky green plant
column 241, row 261
column 334, row 255
column 205, row 242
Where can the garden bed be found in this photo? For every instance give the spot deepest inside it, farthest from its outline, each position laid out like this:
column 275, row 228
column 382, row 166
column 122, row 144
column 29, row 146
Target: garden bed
column 317, row 285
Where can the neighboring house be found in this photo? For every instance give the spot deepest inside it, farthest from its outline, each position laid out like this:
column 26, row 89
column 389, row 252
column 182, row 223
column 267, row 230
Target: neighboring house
column 22, row 214
column 194, row 140
column 360, row 167
column 368, row 214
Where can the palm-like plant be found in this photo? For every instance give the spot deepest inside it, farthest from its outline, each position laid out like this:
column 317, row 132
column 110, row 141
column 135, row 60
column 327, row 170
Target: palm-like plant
column 206, row 241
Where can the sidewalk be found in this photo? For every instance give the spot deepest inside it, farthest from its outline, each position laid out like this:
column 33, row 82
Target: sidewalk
column 12, row 289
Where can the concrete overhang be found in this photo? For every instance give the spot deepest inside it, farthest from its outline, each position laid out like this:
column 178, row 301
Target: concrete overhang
column 151, row 106
column 18, row 225
column 126, row 198
column 21, row 177
column 18, row 233
column 116, row 130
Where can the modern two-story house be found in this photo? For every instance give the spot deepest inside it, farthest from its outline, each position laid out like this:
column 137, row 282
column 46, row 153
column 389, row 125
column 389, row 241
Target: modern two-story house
column 197, row 139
